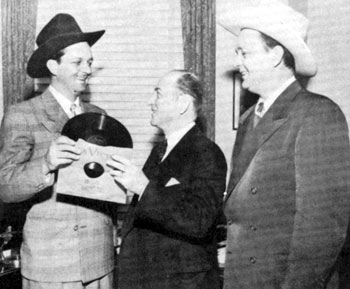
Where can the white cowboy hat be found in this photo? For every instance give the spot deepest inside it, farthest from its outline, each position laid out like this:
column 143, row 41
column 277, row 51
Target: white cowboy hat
column 278, row 21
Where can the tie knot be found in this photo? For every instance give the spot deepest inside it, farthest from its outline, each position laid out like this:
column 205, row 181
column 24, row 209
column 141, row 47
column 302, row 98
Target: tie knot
column 162, row 149
column 260, row 107
column 73, row 109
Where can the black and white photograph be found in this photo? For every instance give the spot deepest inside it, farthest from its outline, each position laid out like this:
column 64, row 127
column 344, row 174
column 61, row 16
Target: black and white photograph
column 174, row 144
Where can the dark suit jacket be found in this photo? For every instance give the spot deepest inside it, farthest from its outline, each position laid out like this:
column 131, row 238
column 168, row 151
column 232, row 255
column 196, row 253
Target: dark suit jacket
column 171, row 229
column 288, row 195
column 64, row 239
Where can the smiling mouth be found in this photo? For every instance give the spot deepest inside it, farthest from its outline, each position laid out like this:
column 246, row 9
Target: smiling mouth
column 83, row 80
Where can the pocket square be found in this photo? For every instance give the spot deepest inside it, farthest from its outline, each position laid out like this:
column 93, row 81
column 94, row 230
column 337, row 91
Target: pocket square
column 172, row 182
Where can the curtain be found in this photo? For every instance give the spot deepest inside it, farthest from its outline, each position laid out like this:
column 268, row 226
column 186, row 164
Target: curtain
column 18, row 38
column 198, row 30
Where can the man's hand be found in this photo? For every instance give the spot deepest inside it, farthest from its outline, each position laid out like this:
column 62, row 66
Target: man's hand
column 62, row 152
column 126, row 173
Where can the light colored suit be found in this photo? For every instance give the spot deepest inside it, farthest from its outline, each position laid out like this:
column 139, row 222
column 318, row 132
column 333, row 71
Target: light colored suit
column 64, row 238
column 289, row 194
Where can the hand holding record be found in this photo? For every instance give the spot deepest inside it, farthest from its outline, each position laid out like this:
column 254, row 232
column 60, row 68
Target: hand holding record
column 127, row 174
column 99, row 137
column 61, row 152
column 99, row 129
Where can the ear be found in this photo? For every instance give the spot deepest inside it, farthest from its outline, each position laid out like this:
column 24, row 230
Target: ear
column 277, row 55
column 185, row 102
column 52, row 65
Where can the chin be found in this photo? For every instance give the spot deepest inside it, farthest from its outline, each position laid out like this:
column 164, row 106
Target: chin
column 80, row 88
column 153, row 122
column 245, row 84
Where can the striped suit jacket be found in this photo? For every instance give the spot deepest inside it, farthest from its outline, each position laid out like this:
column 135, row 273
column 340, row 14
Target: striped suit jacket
column 64, row 238
column 289, row 194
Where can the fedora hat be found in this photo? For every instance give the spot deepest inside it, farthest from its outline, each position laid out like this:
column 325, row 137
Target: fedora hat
column 278, row 21
column 60, row 32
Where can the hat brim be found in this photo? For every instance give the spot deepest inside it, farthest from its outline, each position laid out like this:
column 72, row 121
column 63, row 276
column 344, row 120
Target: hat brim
column 278, row 30
column 36, row 67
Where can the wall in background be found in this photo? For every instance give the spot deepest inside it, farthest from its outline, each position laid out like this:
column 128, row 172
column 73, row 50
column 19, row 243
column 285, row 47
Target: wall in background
column 225, row 53
column 329, row 40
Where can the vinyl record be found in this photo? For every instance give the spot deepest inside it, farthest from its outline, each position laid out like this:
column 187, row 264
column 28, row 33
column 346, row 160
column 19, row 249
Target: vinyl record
column 99, row 129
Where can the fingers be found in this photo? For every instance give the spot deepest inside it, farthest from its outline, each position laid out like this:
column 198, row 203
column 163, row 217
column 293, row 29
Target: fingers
column 65, row 140
column 121, row 160
column 62, row 151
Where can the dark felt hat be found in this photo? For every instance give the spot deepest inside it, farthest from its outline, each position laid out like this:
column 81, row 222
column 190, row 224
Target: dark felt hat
column 60, row 32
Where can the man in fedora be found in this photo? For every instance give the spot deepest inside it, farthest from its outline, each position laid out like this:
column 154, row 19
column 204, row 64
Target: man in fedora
column 67, row 242
column 288, row 197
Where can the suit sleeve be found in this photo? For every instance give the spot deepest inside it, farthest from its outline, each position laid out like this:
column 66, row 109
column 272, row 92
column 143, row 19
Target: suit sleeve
column 189, row 209
column 322, row 168
column 21, row 175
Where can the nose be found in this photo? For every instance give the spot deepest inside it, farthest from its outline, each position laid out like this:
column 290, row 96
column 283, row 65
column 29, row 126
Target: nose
column 152, row 99
column 86, row 68
column 237, row 62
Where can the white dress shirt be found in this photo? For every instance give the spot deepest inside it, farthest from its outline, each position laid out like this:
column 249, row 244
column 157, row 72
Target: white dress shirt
column 65, row 103
column 272, row 98
column 175, row 137
column 172, row 141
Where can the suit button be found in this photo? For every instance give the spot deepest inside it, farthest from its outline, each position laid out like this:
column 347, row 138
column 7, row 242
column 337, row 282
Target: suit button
column 229, row 222
column 252, row 227
column 252, row 260
column 75, row 228
column 254, row 190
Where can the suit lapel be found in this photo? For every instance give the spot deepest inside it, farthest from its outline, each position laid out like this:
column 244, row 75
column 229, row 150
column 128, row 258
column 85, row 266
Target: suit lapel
column 250, row 140
column 50, row 113
column 172, row 166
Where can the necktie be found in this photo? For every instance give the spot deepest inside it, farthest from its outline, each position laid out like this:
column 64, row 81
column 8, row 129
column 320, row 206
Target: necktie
column 260, row 107
column 161, row 150
column 259, row 110
column 73, row 109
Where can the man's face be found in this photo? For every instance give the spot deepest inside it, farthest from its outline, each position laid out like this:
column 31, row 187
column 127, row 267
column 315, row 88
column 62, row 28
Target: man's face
column 254, row 61
column 164, row 102
column 74, row 68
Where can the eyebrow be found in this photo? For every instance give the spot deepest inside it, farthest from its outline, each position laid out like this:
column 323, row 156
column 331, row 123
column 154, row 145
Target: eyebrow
column 79, row 58
column 157, row 89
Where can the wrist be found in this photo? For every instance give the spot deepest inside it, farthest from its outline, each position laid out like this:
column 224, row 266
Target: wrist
column 47, row 166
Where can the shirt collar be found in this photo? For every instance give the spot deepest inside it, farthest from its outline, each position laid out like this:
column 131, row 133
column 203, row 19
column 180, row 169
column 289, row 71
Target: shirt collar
column 272, row 98
column 65, row 103
column 176, row 136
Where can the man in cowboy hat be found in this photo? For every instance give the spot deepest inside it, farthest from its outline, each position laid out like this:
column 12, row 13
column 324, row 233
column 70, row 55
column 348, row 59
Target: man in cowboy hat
column 67, row 242
column 288, row 197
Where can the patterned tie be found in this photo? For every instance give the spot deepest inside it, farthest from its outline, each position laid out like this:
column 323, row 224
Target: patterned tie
column 260, row 107
column 161, row 150
column 73, row 109
column 257, row 118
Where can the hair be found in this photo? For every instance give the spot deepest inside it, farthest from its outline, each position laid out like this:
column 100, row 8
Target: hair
column 189, row 83
column 288, row 58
